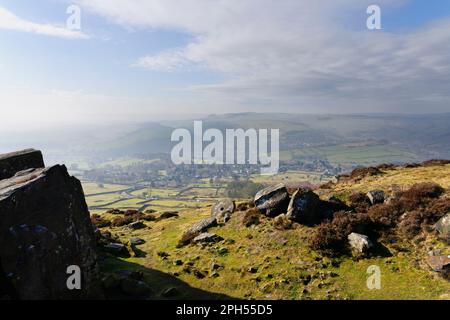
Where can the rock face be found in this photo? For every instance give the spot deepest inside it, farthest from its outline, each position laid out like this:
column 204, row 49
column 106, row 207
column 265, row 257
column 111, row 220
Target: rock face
column 443, row 225
column 11, row 163
column 303, row 207
column 376, row 196
column 359, row 243
column 44, row 229
column 272, row 201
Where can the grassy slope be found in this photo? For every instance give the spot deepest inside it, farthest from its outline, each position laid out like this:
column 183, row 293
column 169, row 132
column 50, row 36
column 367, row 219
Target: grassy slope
column 283, row 258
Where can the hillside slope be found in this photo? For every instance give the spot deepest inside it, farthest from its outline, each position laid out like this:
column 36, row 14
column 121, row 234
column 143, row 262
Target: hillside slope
column 272, row 261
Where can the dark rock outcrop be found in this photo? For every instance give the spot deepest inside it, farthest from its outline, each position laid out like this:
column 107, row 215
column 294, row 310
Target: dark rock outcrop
column 272, row 201
column 303, row 207
column 44, row 229
column 11, row 163
column 376, row 196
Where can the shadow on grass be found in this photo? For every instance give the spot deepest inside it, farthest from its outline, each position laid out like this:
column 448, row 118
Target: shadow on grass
column 159, row 283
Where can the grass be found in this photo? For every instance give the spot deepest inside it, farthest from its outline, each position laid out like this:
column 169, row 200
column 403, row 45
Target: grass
column 282, row 260
column 403, row 177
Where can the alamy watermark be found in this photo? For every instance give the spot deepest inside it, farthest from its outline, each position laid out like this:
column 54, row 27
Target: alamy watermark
column 236, row 146
column 374, row 279
column 74, row 280
column 374, row 20
column 73, row 22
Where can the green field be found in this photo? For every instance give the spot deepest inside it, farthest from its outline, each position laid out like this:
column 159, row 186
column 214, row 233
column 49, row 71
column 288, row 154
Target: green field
column 353, row 154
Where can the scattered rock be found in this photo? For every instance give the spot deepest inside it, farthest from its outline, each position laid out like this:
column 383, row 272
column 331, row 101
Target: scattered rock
column 273, row 200
column 117, row 249
column 136, row 241
column 223, row 210
column 178, row 262
column 359, row 243
column 199, row 274
column 376, row 196
column 303, row 207
column 136, row 225
column 439, row 263
column 207, row 238
column 252, row 269
column 223, row 251
column 196, row 229
column 163, row 255
column 443, row 225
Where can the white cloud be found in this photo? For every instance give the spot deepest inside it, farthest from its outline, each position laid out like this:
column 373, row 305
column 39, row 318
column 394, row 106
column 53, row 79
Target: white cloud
column 9, row 20
column 295, row 51
column 164, row 61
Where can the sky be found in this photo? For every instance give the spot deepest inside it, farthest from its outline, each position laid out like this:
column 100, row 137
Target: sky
column 139, row 60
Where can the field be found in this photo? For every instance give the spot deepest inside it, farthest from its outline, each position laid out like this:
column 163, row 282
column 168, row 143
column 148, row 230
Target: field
column 101, row 198
column 353, row 154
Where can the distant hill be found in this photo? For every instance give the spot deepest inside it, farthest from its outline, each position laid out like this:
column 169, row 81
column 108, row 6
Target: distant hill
column 393, row 138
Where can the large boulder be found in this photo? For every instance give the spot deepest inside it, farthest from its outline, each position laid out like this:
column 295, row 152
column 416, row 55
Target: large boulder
column 44, row 229
column 223, row 210
column 303, row 207
column 359, row 243
column 443, row 225
column 272, row 201
column 196, row 229
column 11, row 163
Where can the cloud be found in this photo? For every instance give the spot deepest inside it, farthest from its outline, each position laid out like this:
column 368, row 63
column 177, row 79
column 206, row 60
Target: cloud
column 164, row 61
column 296, row 52
column 10, row 21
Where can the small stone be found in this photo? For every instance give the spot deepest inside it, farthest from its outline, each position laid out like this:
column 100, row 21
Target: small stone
column 178, row 262
column 136, row 225
column 117, row 249
column 252, row 269
column 136, row 241
column 198, row 274
column 223, row 251
column 207, row 238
